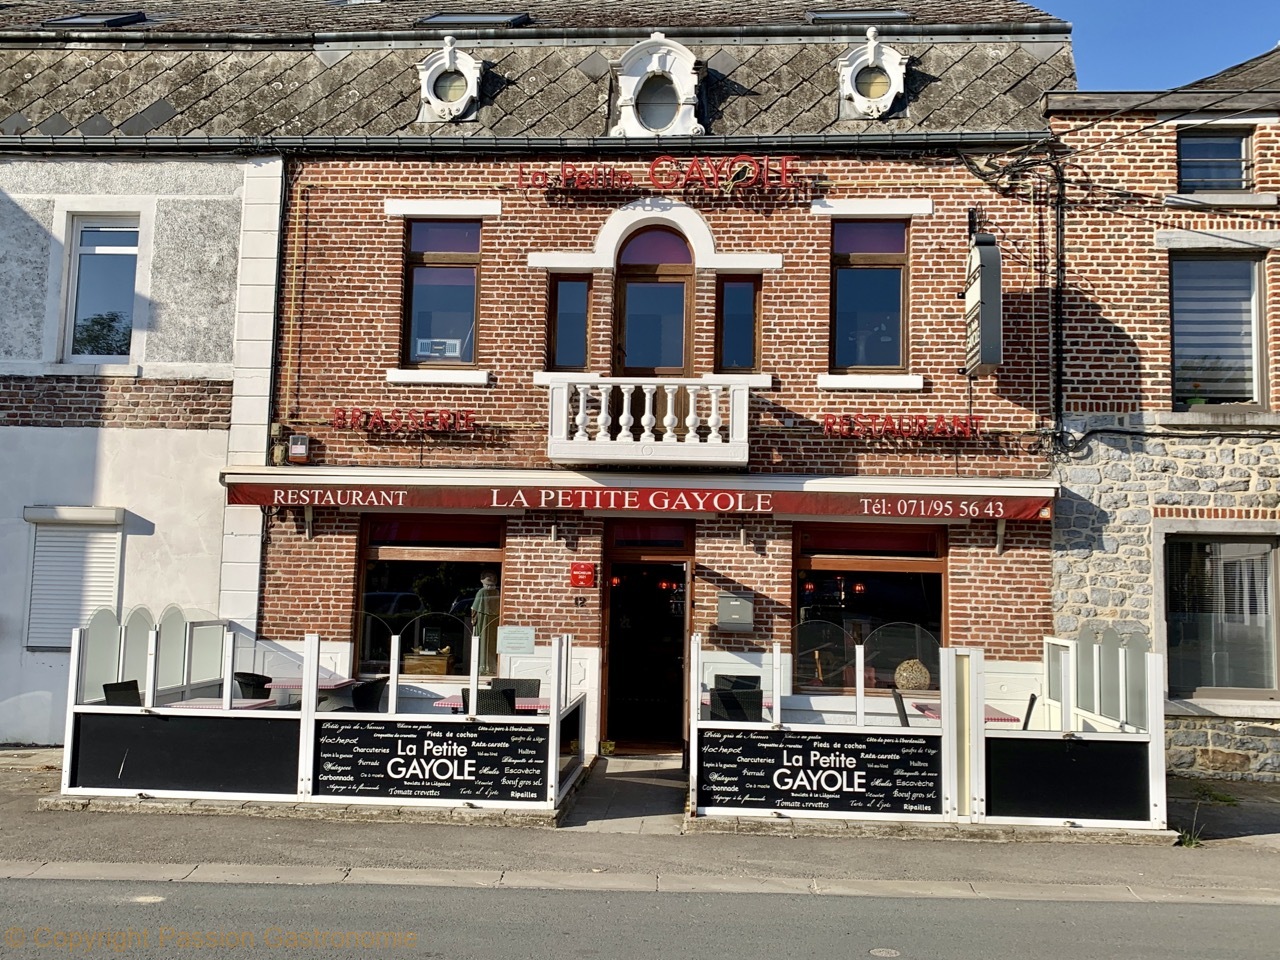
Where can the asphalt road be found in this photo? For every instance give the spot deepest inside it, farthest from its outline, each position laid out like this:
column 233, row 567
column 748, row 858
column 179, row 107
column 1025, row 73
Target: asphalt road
column 53, row 918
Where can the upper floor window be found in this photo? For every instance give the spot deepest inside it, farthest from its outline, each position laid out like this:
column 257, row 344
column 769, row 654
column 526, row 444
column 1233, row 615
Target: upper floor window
column 568, row 304
column 1214, row 330
column 1214, row 160
column 440, row 295
column 654, row 277
column 738, row 327
column 104, row 262
column 868, row 265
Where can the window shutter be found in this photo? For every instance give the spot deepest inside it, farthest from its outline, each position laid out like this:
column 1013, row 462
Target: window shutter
column 1213, row 329
column 76, row 571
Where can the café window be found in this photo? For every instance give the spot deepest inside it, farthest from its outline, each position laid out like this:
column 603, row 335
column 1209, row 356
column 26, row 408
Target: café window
column 440, row 291
column 568, row 303
column 738, row 324
column 868, row 282
column 654, row 294
column 437, row 583
column 878, row 587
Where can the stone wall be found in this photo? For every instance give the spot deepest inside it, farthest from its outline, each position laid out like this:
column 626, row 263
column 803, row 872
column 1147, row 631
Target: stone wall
column 1223, row 749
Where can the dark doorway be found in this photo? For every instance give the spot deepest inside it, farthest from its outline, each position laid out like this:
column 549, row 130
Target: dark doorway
column 645, row 656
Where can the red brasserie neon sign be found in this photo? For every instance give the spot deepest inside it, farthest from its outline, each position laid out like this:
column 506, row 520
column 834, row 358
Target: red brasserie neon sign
column 407, row 421
column 918, row 426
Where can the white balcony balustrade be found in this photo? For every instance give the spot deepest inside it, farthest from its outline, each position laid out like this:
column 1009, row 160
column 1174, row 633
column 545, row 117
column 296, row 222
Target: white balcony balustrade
column 648, row 420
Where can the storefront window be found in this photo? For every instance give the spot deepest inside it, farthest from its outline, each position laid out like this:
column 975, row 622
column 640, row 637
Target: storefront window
column 880, row 588
column 435, row 581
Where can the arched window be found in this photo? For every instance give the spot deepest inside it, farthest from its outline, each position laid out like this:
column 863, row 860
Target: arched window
column 654, row 295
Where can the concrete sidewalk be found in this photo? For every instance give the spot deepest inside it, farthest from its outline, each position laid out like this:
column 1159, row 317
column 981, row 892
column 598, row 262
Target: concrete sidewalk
column 618, row 839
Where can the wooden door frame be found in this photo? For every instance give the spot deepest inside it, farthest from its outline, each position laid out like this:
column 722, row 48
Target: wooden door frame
column 669, row 273
column 655, row 555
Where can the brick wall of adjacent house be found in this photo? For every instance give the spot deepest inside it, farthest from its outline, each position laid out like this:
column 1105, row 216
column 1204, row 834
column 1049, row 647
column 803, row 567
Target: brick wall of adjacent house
column 342, row 292
column 1139, row 460
column 116, row 402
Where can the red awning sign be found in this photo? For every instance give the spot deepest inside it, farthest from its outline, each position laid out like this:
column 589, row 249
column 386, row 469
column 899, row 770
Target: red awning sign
column 887, row 504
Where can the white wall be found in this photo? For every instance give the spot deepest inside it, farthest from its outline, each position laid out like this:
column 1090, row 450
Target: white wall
column 166, row 480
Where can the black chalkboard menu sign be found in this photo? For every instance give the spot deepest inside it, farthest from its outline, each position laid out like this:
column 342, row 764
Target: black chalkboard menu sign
column 807, row 770
column 498, row 762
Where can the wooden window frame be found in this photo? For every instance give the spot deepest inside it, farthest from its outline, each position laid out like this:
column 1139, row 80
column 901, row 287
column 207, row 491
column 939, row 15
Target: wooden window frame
column 413, row 260
column 756, row 281
column 854, row 261
column 625, row 274
column 553, row 319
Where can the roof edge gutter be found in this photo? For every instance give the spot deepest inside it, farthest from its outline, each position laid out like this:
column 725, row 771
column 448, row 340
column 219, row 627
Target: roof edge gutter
column 460, row 146
column 888, row 30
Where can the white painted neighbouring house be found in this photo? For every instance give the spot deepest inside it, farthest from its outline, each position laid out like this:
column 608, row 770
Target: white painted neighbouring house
column 135, row 355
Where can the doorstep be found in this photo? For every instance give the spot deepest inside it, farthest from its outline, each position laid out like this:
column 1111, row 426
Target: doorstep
column 550, row 819
column 914, row 830
column 296, row 810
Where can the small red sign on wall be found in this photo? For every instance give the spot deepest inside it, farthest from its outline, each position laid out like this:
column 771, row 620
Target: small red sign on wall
column 582, row 574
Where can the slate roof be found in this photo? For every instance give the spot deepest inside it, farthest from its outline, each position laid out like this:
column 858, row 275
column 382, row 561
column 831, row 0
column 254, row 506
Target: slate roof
column 1260, row 73
column 762, row 90
column 325, row 16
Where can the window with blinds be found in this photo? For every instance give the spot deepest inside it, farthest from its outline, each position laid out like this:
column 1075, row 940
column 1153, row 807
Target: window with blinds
column 1214, row 321
column 1219, row 603
column 75, row 572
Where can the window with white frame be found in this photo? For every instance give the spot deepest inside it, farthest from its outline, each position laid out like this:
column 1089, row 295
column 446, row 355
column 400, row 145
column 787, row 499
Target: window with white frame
column 1215, row 336
column 101, row 289
column 1220, row 614
column 75, row 571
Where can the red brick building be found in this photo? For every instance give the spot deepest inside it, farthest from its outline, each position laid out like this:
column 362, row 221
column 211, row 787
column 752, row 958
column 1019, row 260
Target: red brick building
column 724, row 373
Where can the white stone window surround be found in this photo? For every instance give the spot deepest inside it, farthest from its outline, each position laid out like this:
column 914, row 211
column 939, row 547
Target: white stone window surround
column 657, row 56
column 654, row 212
column 873, row 208
column 1214, row 706
column 449, row 60
column 873, row 54
column 67, row 213
column 441, row 209
column 635, row 216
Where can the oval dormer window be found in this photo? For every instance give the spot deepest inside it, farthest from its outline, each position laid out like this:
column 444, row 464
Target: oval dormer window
column 450, row 86
column 658, row 102
column 872, row 82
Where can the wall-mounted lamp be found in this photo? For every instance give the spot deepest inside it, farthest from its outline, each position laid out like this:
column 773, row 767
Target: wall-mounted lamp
column 299, row 448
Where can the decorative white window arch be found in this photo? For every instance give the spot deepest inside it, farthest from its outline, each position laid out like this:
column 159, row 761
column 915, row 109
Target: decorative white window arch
column 450, row 84
column 872, row 77
column 657, row 90
column 655, row 212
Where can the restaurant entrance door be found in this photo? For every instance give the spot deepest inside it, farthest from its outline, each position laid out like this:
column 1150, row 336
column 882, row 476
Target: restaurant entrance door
column 644, row 656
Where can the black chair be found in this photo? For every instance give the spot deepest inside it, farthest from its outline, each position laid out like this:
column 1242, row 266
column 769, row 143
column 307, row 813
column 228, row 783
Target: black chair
column 253, row 686
column 520, row 687
column 367, row 697
column 738, row 706
column 902, row 708
column 495, row 702
column 737, row 681
column 122, row 694
column 1031, row 708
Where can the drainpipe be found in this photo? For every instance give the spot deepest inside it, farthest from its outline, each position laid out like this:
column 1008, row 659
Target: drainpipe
column 1059, row 286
